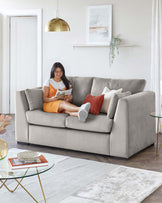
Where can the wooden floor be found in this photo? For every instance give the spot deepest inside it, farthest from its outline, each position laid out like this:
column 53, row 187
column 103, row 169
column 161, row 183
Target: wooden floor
column 146, row 159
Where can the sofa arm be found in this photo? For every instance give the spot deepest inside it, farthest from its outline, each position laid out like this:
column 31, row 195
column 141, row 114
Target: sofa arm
column 21, row 124
column 133, row 128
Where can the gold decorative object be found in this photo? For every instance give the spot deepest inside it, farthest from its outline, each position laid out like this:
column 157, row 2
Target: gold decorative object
column 3, row 149
column 4, row 121
column 57, row 24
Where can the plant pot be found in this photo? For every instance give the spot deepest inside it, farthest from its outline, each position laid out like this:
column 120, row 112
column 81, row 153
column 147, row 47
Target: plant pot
column 3, row 149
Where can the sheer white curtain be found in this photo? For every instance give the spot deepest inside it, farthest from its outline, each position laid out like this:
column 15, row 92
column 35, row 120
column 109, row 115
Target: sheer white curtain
column 156, row 55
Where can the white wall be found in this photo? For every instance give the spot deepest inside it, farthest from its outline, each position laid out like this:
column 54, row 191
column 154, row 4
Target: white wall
column 131, row 19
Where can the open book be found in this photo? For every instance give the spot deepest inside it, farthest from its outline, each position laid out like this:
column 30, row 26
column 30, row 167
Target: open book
column 63, row 92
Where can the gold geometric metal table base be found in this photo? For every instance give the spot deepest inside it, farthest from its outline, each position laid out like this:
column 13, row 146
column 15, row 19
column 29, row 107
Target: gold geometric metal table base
column 159, row 129
column 19, row 183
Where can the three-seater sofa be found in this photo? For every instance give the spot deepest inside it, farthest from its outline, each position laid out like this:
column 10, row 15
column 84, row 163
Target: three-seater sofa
column 131, row 130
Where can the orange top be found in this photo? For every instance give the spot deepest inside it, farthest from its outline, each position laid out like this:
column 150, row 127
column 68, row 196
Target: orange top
column 52, row 91
column 53, row 107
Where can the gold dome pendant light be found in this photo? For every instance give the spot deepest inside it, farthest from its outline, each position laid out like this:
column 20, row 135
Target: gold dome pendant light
column 57, row 24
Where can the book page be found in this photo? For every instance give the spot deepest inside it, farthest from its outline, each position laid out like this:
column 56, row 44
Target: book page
column 63, row 92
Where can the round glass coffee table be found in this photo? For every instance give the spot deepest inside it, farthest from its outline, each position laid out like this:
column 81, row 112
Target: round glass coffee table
column 159, row 129
column 18, row 175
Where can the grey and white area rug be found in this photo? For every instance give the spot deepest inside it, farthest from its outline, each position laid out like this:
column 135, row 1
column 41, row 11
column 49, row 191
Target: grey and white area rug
column 74, row 180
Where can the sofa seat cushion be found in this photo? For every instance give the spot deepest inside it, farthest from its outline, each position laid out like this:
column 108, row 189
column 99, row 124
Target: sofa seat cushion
column 94, row 123
column 39, row 117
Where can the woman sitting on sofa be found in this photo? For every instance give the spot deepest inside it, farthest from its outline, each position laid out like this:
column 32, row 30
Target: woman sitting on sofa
column 60, row 104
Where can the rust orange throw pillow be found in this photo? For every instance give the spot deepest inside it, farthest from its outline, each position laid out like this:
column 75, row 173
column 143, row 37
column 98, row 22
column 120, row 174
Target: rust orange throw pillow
column 96, row 103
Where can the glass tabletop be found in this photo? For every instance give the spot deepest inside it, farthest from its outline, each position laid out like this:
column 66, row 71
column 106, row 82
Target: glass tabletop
column 7, row 173
column 156, row 114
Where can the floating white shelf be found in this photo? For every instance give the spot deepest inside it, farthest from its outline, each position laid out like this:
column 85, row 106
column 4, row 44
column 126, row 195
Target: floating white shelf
column 98, row 45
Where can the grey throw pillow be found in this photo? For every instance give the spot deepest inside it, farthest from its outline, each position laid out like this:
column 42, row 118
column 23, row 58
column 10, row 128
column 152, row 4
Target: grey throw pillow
column 34, row 98
column 114, row 102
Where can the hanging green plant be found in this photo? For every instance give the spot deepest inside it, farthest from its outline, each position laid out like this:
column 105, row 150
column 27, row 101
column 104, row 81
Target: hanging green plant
column 114, row 48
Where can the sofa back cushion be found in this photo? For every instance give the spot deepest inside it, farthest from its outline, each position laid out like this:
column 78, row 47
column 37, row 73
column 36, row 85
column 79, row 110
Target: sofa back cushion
column 35, row 98
column 132, row 85
column 81, row 88
column 98, row 85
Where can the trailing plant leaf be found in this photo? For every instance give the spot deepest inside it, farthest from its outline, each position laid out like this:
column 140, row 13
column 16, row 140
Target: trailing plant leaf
column 114, row 49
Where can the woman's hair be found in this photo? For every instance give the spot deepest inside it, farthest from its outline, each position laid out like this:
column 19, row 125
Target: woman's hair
column 64, row 79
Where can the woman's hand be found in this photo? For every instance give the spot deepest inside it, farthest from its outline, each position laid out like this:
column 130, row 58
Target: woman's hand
column 68, row 98
column 60, row 97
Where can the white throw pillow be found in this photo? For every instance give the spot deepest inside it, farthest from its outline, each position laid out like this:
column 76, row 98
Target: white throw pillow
column 108, row 94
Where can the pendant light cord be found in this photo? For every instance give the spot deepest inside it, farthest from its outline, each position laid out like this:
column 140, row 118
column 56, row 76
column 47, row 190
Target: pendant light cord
column 57, row 10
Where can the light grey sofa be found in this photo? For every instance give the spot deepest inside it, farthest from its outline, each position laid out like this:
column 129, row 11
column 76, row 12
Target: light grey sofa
column 131, row 129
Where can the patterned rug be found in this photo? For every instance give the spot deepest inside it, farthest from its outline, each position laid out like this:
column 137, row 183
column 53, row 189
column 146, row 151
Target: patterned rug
column 123, row 184
column 75, row 180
